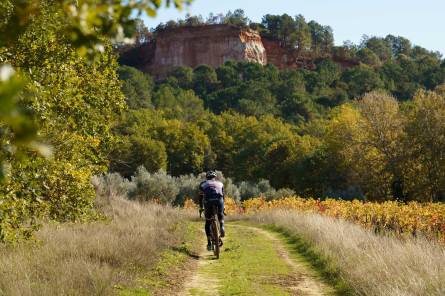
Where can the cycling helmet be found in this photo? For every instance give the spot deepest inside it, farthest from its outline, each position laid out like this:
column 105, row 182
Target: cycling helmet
column 210, row 175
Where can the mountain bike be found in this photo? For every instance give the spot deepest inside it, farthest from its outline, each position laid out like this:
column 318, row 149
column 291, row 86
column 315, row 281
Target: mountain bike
column 214, row 232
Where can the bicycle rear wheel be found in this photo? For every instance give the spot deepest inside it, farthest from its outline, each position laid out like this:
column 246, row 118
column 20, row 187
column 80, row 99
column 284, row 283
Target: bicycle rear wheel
column 215, row 238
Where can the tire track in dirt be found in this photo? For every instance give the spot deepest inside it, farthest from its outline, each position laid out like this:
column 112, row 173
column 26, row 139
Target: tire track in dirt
column 301, row 281
column 201, row 283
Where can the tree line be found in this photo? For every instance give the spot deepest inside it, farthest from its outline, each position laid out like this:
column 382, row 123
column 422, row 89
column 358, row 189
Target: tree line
column 254, row 122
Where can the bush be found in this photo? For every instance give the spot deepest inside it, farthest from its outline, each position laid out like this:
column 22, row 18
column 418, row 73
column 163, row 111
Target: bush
column 163, row 188
column 277, row 194
column 188, row 188
column 248, row 190
column 264, row 189
column 158, row 187
column 110, row 186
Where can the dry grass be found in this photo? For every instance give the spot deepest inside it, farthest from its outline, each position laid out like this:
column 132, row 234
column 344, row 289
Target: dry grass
column 370, row 264
column 89, row 259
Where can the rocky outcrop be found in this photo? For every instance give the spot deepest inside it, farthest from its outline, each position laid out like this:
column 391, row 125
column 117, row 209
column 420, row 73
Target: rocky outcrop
column 212, row 45
column 277, row 55
column 283, row 58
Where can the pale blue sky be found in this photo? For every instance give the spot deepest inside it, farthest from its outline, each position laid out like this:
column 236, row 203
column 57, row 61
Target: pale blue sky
column 422, row 22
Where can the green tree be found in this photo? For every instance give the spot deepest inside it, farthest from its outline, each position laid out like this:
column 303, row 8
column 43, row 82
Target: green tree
column 360, row 80
column 281, row 28
column 236, row 18
column 204, row 80
column 379, row 46
column 137, row 87
column 256, row 100
column 368, row 140
column 133, row 151
column 228, row 74
column 322, row 38
column 426, row 130
column 303, row 35
column 178, row 103
column 399, row 45
column 72, row 101
column 328, row 71
column 368, row 57
column 184, row 76
column 186, row 145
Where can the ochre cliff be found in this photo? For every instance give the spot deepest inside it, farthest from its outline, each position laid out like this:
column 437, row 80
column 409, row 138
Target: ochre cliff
column 212, row 45
column 283, row 58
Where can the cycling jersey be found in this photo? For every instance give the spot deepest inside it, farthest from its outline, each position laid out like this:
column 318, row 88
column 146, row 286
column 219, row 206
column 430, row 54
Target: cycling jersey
column 212, row 189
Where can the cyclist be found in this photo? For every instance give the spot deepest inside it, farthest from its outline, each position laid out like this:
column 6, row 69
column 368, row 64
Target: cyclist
column 211, row 193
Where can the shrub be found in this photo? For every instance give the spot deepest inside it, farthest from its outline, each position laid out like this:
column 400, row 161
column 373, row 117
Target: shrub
column 158, row 187
column 264, row 189
column 110, row 186
column 163, row 188
column 188, row 188
column 280, row 193
column 248, row 190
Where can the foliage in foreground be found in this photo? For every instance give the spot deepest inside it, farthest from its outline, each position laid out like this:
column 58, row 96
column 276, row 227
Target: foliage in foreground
column 412, row 219
column 71, row 101
column 59, row 92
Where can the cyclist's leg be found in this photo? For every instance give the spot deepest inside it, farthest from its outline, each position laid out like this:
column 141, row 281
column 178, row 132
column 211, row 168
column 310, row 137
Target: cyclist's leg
column 220, row 208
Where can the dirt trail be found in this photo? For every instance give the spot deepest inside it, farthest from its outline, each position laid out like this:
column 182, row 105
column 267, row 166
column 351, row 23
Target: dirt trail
column 202, row 283
column 301, row 280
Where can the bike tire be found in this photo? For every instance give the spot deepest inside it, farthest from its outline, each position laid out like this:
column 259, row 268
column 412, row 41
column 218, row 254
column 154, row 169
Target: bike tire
column 215, row 237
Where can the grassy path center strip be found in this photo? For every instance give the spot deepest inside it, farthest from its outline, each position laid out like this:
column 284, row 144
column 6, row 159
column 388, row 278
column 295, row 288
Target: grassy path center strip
column 253, row 262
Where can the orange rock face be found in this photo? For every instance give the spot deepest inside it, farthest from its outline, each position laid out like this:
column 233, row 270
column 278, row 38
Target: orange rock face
column 278, row 56
column 211, row 45
column 214, row 45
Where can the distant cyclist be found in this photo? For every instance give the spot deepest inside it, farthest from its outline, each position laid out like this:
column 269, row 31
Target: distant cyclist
column 211, row 193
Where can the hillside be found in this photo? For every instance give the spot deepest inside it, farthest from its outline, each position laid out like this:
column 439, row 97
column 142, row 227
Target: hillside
column 326, row 132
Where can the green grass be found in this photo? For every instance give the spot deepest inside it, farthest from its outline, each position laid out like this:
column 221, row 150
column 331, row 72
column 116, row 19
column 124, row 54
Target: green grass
column 248, row 265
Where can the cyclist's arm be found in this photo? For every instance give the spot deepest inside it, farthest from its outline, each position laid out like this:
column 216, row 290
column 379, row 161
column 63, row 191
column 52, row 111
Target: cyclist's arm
column 201, row 198
column 201, row 204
